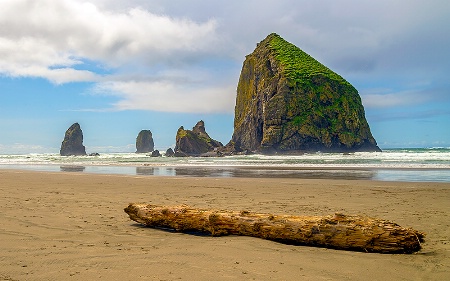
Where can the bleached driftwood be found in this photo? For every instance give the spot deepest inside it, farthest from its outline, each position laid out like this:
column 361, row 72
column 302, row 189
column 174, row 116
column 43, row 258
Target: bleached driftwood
column 358, row 233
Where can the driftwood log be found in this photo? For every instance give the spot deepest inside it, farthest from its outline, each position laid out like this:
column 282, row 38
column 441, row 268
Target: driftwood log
column 357, row 233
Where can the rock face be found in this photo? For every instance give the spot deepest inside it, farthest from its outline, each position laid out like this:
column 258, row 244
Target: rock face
column 288, row 102
column 155, row 153
column 144, row 142
column 170, row 152
column 195, row 142
column 73, row 142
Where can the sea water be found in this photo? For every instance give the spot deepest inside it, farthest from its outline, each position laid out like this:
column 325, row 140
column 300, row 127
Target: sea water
column 405, row 164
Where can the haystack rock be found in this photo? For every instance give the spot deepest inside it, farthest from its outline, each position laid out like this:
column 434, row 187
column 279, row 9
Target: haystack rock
column 288, row 102
column 144, row 142
column 196, row 142
column 73, row 142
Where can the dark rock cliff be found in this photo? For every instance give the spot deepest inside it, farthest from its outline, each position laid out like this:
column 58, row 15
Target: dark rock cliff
column 144, row 142
column 288, row 102
column 196, row 142
column 73, row 142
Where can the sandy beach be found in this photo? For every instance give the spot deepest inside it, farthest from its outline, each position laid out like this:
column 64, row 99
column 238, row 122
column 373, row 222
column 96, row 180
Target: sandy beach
column 71, row 226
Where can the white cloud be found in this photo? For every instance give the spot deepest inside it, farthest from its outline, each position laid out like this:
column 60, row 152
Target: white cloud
column 168, row 96
column 419, row 93
column 19, row 148
column 27, row 57
column 382, row 41
column 52, row 40
column 36, row 36
column 385, row 99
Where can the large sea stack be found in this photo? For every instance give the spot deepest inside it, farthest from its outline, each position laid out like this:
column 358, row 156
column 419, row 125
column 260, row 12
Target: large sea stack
column 144, row 142
column 288, row 102
column 73, row 142
column 196, row 142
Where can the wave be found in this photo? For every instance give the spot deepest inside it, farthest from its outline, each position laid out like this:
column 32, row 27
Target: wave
column 389, row 158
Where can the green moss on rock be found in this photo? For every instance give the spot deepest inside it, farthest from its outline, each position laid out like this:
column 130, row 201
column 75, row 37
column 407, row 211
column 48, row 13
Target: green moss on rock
column 288, row 101
column 195, row 142
column 298, row 65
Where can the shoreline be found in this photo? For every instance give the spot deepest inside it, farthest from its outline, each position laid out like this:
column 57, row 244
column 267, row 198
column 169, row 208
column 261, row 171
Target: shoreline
column 351, row 172
column 67, row 226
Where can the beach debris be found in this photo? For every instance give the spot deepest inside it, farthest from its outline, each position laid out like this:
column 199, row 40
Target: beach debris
column 338, row 231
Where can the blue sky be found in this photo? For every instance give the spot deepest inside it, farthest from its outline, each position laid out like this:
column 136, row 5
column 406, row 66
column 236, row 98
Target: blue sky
column 118, row 67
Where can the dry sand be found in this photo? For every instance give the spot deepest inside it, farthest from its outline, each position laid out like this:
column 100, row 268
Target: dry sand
column 71, row 226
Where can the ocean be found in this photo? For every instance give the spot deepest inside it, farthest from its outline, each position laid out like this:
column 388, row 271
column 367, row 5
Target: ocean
column 404, row 164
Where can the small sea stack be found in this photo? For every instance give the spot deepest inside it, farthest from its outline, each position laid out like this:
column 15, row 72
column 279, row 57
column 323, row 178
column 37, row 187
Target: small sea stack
column 144, row 142
column 170, row 152
column 195, row 142
column 73, row 142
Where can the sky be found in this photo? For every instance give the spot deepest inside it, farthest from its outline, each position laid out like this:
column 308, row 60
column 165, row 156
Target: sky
column 118, row 67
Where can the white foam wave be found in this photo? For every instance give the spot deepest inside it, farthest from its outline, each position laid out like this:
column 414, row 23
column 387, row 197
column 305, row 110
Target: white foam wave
column 399, row 158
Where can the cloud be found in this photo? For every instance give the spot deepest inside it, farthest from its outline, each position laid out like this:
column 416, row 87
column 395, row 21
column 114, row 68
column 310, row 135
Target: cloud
column 422, row 101
column 421, row 114
column 420, row 93
column 36, row 36
column 19, row 148
column 382, row 38
column 394, row 99
column 55, row 40
column 364, row 41
column 167, row 96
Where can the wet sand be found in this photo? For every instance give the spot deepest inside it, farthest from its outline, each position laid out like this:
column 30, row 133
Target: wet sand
column 71, row 226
